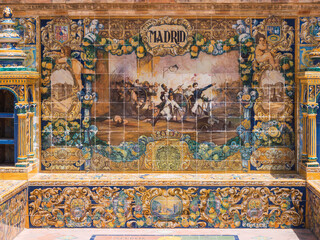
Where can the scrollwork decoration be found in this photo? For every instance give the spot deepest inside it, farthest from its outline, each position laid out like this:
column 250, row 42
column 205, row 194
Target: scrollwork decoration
column 223, row 207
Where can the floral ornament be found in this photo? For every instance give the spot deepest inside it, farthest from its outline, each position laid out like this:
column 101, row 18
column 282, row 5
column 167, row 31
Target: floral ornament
column 210, row 151
column 273, row 133
column 247, row 52
column 125, row 152
column 87, row 100
column 201, row 44
column 130, row 151
column 246, row 124
column 141, row 220
column 61, row 133
column 213, row 210
column 86, row 122
column 88, row 55
column 46, row 70
column 287, row 69
column 113, row 46
column 119, row 207
column 247, row 97
column 89, row 77
column 194, row 214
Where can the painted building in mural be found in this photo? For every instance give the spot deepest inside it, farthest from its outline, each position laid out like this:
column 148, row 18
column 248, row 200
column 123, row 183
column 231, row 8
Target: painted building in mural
column 203, row 120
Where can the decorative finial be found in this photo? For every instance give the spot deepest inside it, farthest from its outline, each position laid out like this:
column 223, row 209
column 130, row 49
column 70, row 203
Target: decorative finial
column 7, row 12
column 10, row 55
column 315, row 55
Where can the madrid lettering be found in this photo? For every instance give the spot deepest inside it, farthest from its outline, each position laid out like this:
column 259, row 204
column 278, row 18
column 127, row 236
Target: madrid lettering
column 167, row 36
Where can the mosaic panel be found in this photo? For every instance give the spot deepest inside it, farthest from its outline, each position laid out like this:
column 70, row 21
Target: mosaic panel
column 13, row 215
column 129, row 95
column 309, row 31
column 313, row 215
column 166, row 207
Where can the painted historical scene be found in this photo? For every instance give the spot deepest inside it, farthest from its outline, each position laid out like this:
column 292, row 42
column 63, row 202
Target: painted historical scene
column 178, row 93
column 167, row 94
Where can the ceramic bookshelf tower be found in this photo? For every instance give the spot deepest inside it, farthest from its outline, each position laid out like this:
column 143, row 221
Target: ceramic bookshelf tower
column 20, row 81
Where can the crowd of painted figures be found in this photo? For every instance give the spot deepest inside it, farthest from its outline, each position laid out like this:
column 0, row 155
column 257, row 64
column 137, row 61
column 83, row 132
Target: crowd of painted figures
column 158, row 101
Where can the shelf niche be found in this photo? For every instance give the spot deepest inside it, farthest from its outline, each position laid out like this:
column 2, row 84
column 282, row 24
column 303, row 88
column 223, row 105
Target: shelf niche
column 7, row 128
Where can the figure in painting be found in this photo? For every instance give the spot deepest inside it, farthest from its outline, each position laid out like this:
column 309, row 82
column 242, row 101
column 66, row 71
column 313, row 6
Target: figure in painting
column 65, row 63
column 170, row 108
column 263, row 54
column 152, row 103
column 271, row 79
column 192, row 100
column 198, row 98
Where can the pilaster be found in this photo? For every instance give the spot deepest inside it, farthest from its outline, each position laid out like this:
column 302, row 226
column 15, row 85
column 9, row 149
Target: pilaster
column 22, row 159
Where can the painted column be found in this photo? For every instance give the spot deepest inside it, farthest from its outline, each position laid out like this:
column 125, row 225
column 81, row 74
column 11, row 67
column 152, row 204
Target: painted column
column 304, row 136
column 22, row 160
column 31, row 134
column 312, row 136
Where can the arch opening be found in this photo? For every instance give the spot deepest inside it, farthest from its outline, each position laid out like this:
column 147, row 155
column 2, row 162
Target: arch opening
column 8, row 128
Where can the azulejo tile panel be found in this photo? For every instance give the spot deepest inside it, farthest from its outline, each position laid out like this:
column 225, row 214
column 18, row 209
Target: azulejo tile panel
column 194, row 95
column 313, row 204
column 176, row 206
column 7, row 187
column 13, row 215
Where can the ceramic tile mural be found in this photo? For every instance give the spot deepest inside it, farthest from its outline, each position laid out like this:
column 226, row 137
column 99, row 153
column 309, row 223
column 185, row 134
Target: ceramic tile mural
column 313, row 198
column 313, row 204
column 309, row 30
column 13, row 215
column 166, row 207
column 167, row 94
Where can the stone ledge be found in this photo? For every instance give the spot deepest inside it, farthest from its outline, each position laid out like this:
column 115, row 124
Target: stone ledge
column 92, row 179
column 18, row 173
column 8, row 188
column 314, row 186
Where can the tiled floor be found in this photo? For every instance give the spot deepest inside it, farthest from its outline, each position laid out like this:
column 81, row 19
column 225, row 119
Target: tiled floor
column 86, row 234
